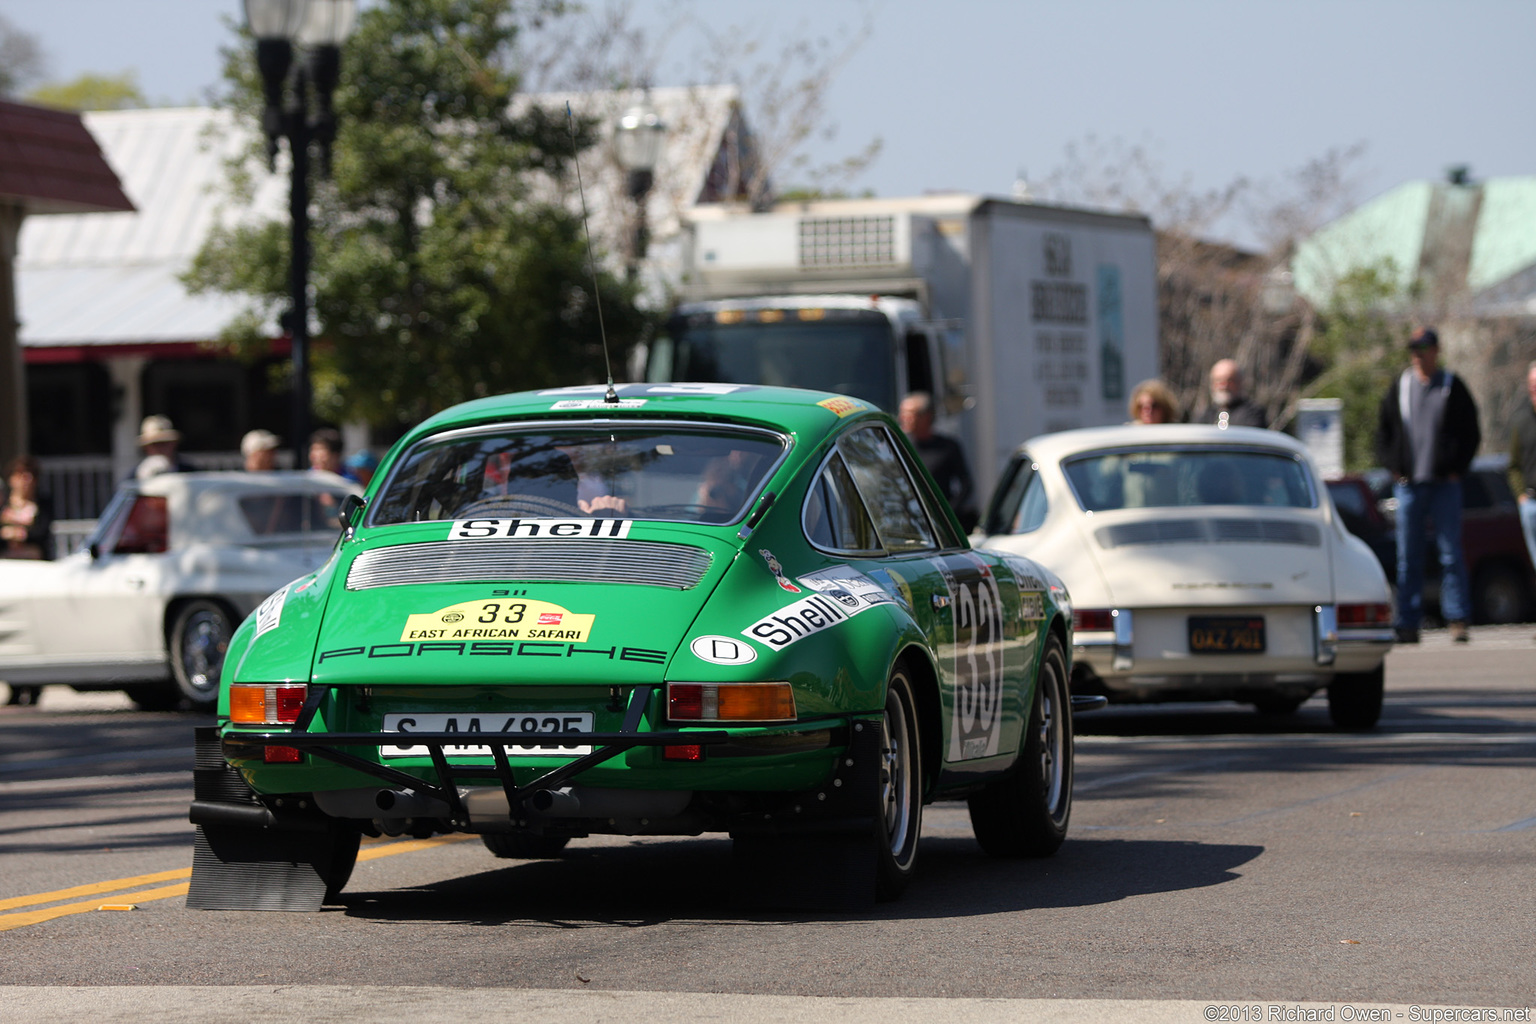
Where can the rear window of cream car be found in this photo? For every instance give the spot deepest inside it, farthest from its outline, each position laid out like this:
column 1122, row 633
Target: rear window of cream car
column 1184, row 477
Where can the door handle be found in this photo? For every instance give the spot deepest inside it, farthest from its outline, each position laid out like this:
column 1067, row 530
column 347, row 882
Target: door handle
column 136, row 582
column 941, row 600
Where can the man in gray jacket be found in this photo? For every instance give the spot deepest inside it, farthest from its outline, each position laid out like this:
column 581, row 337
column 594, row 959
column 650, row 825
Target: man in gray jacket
column 1427, row 434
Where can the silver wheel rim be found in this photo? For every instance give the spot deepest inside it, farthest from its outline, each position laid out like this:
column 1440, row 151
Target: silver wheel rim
column 204, row 639
column 896, row 775
column 1052, row 742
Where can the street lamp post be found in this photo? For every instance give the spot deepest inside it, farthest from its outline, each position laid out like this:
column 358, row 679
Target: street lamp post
column 318, row 27
column 637, row 144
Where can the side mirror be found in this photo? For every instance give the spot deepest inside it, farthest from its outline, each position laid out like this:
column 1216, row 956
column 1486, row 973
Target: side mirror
column 351, row 505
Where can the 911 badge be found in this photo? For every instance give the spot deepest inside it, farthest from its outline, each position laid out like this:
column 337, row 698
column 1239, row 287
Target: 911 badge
column 499, row 620
column 722, row 650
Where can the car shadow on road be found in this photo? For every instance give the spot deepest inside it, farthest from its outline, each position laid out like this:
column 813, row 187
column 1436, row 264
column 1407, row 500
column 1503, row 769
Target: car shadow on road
column 653, row 883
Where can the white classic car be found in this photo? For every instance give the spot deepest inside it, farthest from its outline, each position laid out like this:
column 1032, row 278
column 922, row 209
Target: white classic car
column 1204, row 564
column 174, row 565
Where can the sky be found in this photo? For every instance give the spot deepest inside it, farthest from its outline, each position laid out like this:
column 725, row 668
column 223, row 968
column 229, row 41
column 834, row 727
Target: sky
column 970, row 95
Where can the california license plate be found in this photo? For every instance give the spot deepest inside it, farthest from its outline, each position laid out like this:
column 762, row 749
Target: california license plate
column 1226, row 634
column 522, row 726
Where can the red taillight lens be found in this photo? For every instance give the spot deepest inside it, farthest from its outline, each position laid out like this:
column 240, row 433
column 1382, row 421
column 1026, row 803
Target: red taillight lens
column 1092, row 620
column 281, row 755
column 266, row 703
column 289, row 701
column 1357, row 616
column 683, row 752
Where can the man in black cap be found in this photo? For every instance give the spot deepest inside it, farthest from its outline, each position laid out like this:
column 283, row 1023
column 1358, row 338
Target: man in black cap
column 1427, row 434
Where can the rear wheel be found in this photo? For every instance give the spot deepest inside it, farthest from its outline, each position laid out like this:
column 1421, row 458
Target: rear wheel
column 1354, row 698
column 1275, row 704
column 1498, row 595
column 1025, row 813
column 899, row 816
column 523, row 845
column 199, row 638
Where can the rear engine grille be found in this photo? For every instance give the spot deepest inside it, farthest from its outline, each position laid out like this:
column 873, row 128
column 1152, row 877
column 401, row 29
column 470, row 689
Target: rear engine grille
column 1210, row 531
column 516, row 560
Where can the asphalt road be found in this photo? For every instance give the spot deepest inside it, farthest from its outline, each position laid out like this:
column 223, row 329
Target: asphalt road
column 1221, row 866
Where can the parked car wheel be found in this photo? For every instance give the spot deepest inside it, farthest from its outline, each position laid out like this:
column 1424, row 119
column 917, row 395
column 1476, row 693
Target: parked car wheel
column 1025, row 813
column 524, row 846
column 1498, row 595
column 199, row 638
column 1354, row 698
column 900, row 815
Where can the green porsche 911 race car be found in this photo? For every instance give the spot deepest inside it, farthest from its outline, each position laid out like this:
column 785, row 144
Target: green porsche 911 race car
column 665, row 609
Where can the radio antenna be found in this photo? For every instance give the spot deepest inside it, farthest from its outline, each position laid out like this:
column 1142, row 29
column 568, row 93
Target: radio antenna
column 610, row 396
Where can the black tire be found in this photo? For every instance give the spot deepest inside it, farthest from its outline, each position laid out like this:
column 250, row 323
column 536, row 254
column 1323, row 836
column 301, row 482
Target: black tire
column 346, row 842
column 1277, row 705
column 22, row 695
column 1354, row 698
column 523, row 845
column 154, row 696
column 1499, row 595
column 1025, row 813
column 899, row 814
column 199, row 638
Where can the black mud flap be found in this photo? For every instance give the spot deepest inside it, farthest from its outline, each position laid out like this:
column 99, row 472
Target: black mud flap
column 246, row 859
column 819, row 852
column 235, row 868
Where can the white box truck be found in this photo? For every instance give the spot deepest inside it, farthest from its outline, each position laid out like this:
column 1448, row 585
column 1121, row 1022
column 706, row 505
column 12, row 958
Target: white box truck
column 1019, row 318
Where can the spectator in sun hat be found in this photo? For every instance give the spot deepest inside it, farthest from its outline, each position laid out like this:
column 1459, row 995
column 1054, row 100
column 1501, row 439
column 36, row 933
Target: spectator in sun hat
column 259, row 449
column 158, row 436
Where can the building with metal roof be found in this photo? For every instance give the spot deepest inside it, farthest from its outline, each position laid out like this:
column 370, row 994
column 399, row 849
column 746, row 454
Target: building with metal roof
column 109, row 332
column 1462, row 253
column 49, row 165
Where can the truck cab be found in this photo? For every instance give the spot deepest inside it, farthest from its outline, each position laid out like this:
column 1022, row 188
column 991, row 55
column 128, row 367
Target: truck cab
column 877, row 348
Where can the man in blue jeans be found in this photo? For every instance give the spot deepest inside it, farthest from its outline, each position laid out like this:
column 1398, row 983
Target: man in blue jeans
column 1427, row 434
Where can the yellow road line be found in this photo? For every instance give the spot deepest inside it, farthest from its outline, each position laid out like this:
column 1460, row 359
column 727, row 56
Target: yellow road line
column 94, row 888
column 27, row 917
column 31, row 917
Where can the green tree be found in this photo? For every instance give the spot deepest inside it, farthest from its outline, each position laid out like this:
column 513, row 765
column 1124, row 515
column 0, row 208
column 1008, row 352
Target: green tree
column 444, row 266
column 92, row 92
column 1361, row 347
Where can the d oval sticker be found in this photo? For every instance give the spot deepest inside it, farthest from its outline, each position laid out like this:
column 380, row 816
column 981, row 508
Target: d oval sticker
column 722, row 650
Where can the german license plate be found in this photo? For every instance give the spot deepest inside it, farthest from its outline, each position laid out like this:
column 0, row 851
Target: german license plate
column 522, row 726
column 1226, row 634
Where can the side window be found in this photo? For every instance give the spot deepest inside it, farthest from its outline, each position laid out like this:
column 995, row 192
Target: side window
column 1033, row 508
column 834, row 516
column 1005, row 500
column 888, row 492
column 147, row 529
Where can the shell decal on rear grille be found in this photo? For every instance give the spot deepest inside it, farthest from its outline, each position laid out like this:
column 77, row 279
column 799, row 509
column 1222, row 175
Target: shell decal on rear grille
column 506, row 560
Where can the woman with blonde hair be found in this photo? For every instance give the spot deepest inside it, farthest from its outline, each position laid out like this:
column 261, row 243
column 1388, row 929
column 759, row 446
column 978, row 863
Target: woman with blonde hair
column 1152, row 401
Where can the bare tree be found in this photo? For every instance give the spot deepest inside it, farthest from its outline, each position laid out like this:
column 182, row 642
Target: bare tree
column 784, row 89
column 22, row 61
column 1218, row 300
